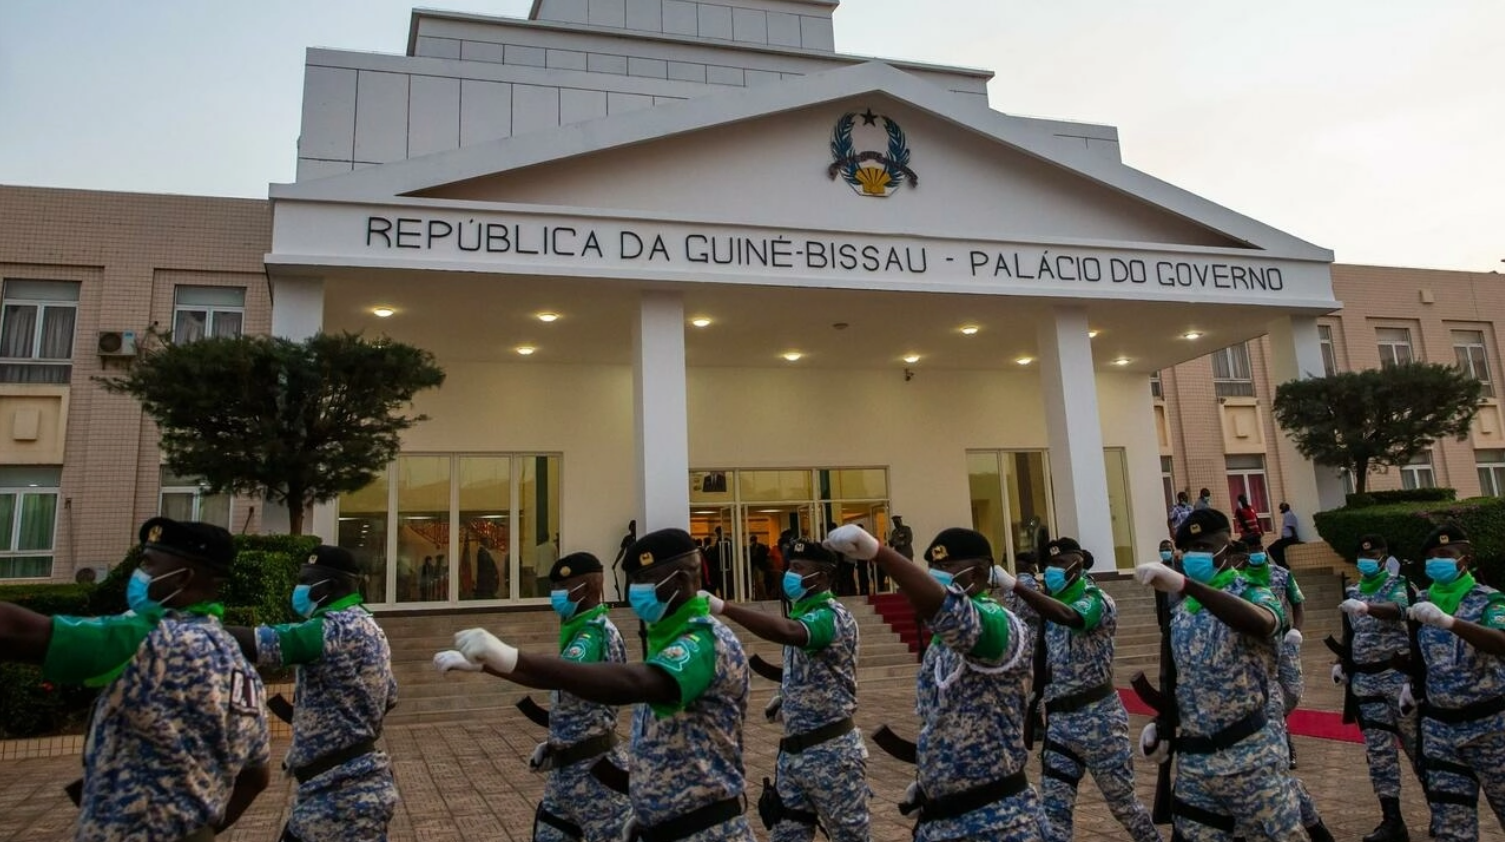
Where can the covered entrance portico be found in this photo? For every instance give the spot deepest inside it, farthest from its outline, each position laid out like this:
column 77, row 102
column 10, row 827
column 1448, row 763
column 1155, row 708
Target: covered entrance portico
column 724, row 308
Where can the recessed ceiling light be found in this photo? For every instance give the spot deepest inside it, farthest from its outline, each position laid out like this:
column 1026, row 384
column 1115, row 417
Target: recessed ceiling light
column 1192, row 334
column 1025, row 360
column 1121, row 361
column 547, row 317
column 1092, row 334
column 526, row 350
column 382, row 312
column 793, row 356
column 911, row 358
column 701, row 321
column 969, row 330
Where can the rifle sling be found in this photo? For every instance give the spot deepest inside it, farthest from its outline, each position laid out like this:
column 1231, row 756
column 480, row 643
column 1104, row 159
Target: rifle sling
column 797, row 743
column 1467, row 713
column 961, row 803
column 1224, row 739
column 1216, row 821
column 1077, row 701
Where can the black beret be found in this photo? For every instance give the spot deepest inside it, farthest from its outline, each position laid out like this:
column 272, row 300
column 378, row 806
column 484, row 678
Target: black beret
column 1372, row 542
column 658, row 547
column 574, row 564
column 1448, row 533
column 1201, row 522
column 1062, row 545
column 205, row 543
column 337, row 559
column 806, row 550
column 957, row 544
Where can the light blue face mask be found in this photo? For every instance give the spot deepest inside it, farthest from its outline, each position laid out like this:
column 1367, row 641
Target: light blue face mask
column 137, row 591
column 1055, row 579
column 1368, row 567
column 303, row 601
column 559, row 599
column 1443, row 571
column 1200, row 567
column 794, row 585
column 1166, row 555
column 1258, row 559
column 946, row 579
column 643, row 597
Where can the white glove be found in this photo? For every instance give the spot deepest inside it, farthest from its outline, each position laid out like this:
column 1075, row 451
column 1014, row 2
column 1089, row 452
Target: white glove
column 1157, row 575
column 1407, row 700
column 1293, row 638
column 717, row 603
column 482, row 647
column 772, row 710
column 540, row 752
column 1338, row 675
column 630, row 830
column 1003, row 580
column 1430, row 614
column 852, row 541
column 1354, row 607
column 911, row 798
column 1151, row 746
column 449, row 659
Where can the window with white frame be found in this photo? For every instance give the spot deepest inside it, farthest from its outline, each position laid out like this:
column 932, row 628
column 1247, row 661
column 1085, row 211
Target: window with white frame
column 1418, row 472
column 1395, row 345
column 1491, row 472
column 207, row 311
column 1156, row 390
column 1246, row 478
column 184, row 498
column 1473, row 358
column 1167, row 482
column 28, row 521
column 1329, row 350
column 36, row 331
column 1232, row 376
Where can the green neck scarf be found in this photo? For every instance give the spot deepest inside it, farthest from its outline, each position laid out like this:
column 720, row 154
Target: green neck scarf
column 664, row 632
column 571, row 627
column 1073, row 591
column 1219, row 582
column 339, row 605
column 1259, row 574
column 1448, row 596
column 808, row 604
column 1370, row 585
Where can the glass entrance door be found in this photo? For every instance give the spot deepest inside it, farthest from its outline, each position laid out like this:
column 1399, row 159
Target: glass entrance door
column 1011, row 499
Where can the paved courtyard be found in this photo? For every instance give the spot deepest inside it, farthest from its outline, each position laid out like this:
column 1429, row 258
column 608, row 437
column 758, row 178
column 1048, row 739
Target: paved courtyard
column 470, row 781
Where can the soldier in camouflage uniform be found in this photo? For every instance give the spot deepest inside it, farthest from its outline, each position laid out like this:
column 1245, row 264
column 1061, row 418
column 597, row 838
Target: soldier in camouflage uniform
column 1462, row 642
column 1087, row 727
column 178, row 744
column 822, row 763
column 1376, row 607
column 344, row 690
column 1027, row 576
column 1225, row 635
column 686, row 775
column 969, row 693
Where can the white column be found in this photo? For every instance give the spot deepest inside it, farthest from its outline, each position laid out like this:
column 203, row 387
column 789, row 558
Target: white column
column 1296, row 354
column 297, row 314
column 1068, row 386
column 660, row 420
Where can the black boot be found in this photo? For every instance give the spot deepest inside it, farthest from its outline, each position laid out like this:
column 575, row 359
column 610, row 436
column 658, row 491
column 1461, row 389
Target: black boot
column 1319, row 832
column 1392, row 826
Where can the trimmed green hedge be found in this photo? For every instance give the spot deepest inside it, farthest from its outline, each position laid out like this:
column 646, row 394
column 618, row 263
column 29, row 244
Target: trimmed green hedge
column 258, row 591
column 1406, row 525
column 1414, row 495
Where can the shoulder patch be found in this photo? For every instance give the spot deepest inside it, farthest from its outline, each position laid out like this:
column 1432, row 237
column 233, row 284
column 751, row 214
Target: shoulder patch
column 575, row 650
column 245, row 697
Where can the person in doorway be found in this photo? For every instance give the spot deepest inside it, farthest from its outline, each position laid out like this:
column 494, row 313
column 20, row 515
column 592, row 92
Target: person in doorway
column 426, row 579
column 1247, row 520
column 721, row 565
column 1178, row 514
column 616, row 564
column 762, row 569
column 1204, row 500
column 901, row 539
column 487, row 575
column 1288, row 535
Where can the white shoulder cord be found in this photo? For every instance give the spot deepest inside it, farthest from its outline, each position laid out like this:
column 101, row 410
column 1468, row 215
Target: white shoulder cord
column 944, row 682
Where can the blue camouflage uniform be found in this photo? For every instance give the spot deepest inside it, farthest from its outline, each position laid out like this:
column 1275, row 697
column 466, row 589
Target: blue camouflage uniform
column 587, row 809
column 687, row 755
column 181, row 716
column 970, row 698
column 1225, row 682
column 344, row 690
column 1090, row 735
column 828, row 780
column 1376, row 682
column 1288, row 680
column 1021, row 609
column 1463, row 719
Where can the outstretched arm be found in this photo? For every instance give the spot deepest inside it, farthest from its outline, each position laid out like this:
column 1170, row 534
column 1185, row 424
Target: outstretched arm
column 24, row 635
column 1050, row 608
column 1240, row 614
column 768, row 626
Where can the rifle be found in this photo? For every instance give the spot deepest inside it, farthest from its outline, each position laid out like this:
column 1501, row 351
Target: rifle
column 1344, row 651
column 281, row 708
column 1416, row 668
column 896, row 746
column 1034, row 723
column 536, row 713
column 1163, row 700
column 765, row 669
column 610, row 775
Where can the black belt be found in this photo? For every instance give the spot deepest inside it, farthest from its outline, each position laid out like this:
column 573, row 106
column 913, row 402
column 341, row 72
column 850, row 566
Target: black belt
column 691, row 823
column 1374, row 667
column 560, row 823
column 1467, row 713
column 1077, row 701
column 964, row 802
column 333, row 759
column 799, row 742
column 1224, row 739
column 1191, row 812
column 583, row 750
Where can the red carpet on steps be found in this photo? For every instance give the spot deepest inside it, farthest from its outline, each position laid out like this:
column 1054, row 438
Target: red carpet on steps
column 1324, row 725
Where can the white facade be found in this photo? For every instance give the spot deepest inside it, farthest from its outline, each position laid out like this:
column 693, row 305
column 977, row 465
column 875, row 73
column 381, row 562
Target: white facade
column 632, row 165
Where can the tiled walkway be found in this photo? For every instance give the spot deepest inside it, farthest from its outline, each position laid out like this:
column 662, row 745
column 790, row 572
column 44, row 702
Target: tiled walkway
column 470, row 782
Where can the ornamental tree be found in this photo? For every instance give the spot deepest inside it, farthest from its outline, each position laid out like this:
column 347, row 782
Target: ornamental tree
column 294, row 422
column 1379, row 417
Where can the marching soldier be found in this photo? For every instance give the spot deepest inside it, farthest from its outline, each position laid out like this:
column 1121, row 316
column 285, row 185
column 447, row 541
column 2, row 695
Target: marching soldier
column 1087, row 727
column 969, row 692
column 344, row 690
column 1376, row 606
column 686, row 774
column 1027, row 577
column 822, row 761
column 178, row 744
column 1225, row 633
column 1462, row 643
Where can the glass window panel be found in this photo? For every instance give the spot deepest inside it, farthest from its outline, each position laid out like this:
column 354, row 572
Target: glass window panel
column 1115, row 462
column 7, row 521
column 859, row 484
column 189, row 325
column 30, row 476
column 210, row 296
column 177, row 505
column 57, row 333
column 1027, row 483
column 538, row 522
column 38, row 517
column 215, row 509
column 227, row 324
column 775, row 486
column 1247, row 462
column 363, row 531
column 26, row 567
column 422, row 526
column 484, row 569
column 18, row 329
column 42, row 290
column 711, row 486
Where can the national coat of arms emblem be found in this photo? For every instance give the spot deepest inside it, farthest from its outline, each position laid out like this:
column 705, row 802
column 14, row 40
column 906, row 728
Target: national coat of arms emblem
column 871, row 173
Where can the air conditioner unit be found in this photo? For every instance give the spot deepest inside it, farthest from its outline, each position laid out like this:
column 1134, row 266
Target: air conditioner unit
column 92, row 573
column 117, row 343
